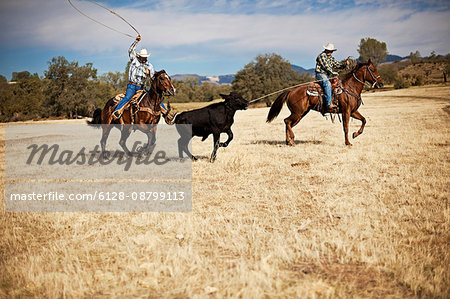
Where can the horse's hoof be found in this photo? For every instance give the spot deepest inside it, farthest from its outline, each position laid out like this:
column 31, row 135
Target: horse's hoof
column 194, row 158
column 355, row 135
column 348, row 144
column 290, row 143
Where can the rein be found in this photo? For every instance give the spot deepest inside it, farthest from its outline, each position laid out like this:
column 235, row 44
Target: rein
column 363, row 82
column 158, row 95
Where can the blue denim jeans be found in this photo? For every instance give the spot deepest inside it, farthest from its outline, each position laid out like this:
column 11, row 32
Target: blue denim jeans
column 326, row 85
column 131, row 91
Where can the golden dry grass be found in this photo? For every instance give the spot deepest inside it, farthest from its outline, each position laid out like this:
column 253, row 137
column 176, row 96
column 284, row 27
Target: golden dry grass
column 311, row 221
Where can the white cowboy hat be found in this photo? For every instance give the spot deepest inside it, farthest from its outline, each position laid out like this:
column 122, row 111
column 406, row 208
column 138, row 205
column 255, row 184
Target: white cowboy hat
column 143, row 53
column 330, row 47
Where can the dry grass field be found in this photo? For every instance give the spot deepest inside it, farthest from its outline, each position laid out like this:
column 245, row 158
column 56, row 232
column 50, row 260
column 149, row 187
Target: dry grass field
column 318, row 220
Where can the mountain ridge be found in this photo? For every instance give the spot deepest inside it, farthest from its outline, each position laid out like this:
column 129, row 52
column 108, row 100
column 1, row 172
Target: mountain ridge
column 228, row 79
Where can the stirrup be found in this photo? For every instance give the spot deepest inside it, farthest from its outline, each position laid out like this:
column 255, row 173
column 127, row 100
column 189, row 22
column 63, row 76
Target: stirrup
column 117, row 114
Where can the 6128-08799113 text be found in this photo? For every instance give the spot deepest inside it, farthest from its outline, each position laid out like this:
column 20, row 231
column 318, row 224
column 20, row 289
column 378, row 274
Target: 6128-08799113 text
column 106, row 196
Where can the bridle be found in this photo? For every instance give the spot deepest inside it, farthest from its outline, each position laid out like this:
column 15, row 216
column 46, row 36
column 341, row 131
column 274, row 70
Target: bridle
column 374, row 78
column 155, row 80
column 153, row 86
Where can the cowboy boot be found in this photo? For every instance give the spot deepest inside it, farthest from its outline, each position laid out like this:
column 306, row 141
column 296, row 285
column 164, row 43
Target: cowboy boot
column 169, row 117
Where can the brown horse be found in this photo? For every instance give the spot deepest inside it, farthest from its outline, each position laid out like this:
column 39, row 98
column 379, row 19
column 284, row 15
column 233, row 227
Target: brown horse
column 148, row 113
column 300, row 103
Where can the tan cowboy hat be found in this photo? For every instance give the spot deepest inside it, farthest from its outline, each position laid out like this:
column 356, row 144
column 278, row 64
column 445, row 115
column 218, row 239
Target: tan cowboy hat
column 330, row 47
column 143, row 53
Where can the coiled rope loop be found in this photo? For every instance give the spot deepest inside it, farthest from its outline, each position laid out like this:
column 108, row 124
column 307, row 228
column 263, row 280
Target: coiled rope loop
column 98, row 22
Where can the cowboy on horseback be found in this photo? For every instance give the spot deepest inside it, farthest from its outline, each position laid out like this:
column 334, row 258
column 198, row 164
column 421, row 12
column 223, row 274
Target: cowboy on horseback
column 326, row 65
column 140, row 69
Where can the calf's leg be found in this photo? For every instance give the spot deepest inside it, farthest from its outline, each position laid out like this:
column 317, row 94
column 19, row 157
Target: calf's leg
column 230, row 137
column 216, row 136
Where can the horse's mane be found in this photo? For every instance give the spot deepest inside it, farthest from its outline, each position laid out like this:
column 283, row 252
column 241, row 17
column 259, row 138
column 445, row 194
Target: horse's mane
column 348, row 75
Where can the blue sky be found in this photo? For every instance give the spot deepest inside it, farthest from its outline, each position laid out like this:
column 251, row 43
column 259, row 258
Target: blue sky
column 213, row 37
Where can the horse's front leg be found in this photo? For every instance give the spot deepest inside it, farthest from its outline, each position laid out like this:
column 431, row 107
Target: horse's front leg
column 358, row 115
column 105, row 133
column 125, row 133
column 148, row 148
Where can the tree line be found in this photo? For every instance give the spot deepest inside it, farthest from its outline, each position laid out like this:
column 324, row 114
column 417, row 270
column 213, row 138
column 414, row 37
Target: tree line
column 416, row 71
column 70, row 90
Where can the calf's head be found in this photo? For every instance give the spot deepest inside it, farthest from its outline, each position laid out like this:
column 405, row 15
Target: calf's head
column 235, row 101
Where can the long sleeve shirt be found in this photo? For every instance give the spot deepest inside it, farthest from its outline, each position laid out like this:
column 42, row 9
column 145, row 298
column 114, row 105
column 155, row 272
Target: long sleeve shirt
column 136, row 73
column 327, row 65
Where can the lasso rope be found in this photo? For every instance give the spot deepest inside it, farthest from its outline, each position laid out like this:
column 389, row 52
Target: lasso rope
column 281, row 90
column 113, row 12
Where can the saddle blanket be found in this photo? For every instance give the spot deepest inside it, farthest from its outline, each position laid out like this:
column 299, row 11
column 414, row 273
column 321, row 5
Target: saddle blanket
column 135, row 99
column 315, row 90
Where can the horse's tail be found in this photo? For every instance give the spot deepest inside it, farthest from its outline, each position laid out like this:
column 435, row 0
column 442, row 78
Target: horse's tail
column 96, row 118
column 277, row 105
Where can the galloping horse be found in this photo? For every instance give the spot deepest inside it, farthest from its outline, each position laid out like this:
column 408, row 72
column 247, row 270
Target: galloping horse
column 300, row 103
column 149, row 113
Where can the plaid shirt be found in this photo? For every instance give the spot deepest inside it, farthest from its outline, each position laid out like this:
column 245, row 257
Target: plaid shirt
column 326, row 65
column 136, row 74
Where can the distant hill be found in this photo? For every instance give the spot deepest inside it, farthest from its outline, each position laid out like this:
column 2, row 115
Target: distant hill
column 228, row 79
column 394, row 58
column 223, row 79
column 302, row 70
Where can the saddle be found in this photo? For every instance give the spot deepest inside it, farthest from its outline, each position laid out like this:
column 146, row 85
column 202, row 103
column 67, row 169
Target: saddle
column 134, row 104
column 315, row 90
column 135, row 99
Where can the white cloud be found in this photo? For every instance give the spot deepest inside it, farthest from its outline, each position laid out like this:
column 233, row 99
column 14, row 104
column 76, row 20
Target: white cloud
column 299, row 37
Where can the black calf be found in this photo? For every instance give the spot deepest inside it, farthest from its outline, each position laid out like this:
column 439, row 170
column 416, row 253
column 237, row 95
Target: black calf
column 213, row 119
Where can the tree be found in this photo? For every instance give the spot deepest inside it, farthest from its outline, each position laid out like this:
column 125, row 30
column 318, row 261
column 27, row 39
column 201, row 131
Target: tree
column 17, row 76
column 370, row 48
column 415, row 57
column 115, row 79
column 388, row 72
column 22, row 101
column 265, row 74
column 446, row 71
column 400, row 83
column 68, row 86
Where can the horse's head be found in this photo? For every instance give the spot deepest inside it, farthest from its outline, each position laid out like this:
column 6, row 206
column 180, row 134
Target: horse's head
column 374, row 78
column 235, row 101
column 163, row 83
column 367, row 72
